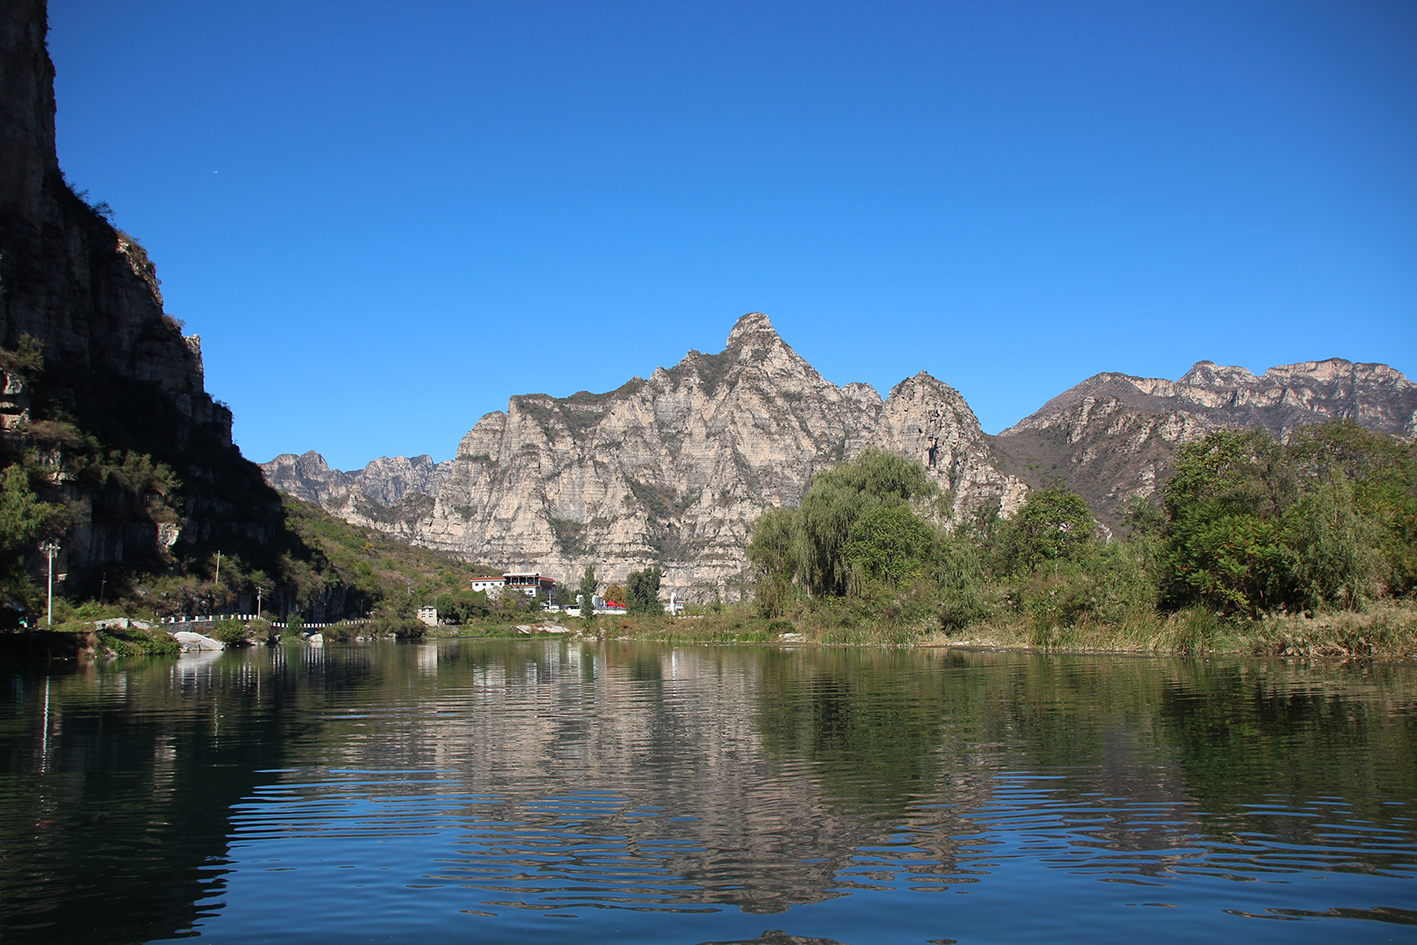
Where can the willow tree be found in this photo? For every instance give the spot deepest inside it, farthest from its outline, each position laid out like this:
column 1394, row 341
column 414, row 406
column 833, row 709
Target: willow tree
column 823, row 547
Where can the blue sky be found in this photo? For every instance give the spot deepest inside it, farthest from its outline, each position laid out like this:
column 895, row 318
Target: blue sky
column 384, row 219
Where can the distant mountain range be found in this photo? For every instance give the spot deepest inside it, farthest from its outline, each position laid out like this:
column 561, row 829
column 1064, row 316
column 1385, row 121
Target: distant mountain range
column 672, row 470
column 1112, row 436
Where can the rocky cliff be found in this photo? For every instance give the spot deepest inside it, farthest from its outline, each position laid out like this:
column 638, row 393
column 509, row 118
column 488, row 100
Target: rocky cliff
column 117, row 373
column 394, row 494
column 386, row 480
column 1112, row 437
column 672, row 470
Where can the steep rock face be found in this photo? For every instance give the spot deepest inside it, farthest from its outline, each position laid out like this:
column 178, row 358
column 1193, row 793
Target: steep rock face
column 394, row 494
column 386, row 480
column 88, row 292
column 307, row 477
column 672, row 470
column 1283, row 398
column 113, row 359
column 1112, row 437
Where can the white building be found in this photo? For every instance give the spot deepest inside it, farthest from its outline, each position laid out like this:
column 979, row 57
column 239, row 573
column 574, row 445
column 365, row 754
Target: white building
column 528, row 582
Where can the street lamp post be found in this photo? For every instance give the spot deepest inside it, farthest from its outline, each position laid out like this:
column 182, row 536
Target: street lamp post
column 50, row 548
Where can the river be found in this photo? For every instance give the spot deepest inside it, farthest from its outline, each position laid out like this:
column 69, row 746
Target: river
column 553, row 791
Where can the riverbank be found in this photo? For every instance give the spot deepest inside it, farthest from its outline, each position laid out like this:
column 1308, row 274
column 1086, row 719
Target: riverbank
column 1385, row 631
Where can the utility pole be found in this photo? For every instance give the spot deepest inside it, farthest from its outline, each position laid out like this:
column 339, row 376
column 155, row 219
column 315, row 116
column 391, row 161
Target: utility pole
column 51, row 548
column 218, row 568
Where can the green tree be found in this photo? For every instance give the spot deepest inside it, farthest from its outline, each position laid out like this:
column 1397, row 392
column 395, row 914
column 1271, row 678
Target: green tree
column 23, row 517
column 643, row 591
column 836, row 499
column 1255, row 525
column 1053, row 525
column 888, row 544
column 587, row 590
column 772, row 555
column 1365, row 488
column 957, row 567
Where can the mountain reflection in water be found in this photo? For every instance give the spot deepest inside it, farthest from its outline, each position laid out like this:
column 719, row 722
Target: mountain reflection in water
column 534, row 791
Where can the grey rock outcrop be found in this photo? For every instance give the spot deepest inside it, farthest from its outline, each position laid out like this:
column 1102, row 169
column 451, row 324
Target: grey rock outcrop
column 673, row 470
column 670, row 470
column 385, row 481
column 193, row 642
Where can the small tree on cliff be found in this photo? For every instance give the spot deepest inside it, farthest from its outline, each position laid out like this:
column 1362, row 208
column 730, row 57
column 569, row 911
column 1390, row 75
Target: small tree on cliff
column 588, row 586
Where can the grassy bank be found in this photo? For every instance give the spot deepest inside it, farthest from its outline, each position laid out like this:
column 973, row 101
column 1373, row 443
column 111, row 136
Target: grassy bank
column 1385, row 631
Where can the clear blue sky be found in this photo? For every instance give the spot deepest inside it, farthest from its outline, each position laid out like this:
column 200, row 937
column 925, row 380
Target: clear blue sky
column 384, row 219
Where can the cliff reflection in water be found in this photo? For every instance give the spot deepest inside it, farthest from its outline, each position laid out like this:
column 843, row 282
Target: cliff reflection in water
column 469, row 779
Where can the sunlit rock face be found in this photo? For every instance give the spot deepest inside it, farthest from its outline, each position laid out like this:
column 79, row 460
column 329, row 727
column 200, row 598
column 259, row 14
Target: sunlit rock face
column 673, row 470
column 670, row 470
column 385, row 481
column 1113, row 436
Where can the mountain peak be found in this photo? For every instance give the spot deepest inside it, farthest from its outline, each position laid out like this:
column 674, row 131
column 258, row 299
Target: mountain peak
column 754, row 323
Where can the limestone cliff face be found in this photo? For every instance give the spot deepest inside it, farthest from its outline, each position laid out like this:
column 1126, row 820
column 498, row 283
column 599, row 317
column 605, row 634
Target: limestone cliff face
column 386, row 480
column 393, row 494
column 670, row 470
column 114, row 361
column 1113, row 436
column 673, row 470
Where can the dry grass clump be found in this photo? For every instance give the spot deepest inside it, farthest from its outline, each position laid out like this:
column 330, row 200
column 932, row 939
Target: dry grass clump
column 1384, row 631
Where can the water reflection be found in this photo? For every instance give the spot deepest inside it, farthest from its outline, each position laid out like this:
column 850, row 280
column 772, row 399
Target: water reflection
column 494, row 789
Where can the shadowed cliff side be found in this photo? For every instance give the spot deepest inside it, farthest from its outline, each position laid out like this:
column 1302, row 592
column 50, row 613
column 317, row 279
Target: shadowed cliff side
column 112, row 381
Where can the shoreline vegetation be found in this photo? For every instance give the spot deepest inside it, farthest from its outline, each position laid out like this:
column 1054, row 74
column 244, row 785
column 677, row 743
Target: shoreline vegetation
column 1302, row 548
column 1384, row 631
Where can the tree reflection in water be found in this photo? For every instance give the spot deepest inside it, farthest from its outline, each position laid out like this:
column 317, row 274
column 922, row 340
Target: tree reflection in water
column 490, row 781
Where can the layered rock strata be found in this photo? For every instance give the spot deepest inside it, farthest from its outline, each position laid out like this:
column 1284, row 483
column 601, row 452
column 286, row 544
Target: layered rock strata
column 672, row 470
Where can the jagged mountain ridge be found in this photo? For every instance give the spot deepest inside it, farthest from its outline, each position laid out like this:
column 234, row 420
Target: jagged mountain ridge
column 672, row 470
column 1113, row 436
column 1109, row 437
column 1291, row 395
column 386, row 480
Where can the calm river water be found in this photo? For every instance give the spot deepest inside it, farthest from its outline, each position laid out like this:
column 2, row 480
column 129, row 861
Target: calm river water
column 552, row 791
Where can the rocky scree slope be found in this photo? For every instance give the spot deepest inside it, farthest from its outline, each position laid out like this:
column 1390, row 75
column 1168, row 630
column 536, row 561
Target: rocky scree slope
column 1112, row 437
column 672, row 470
